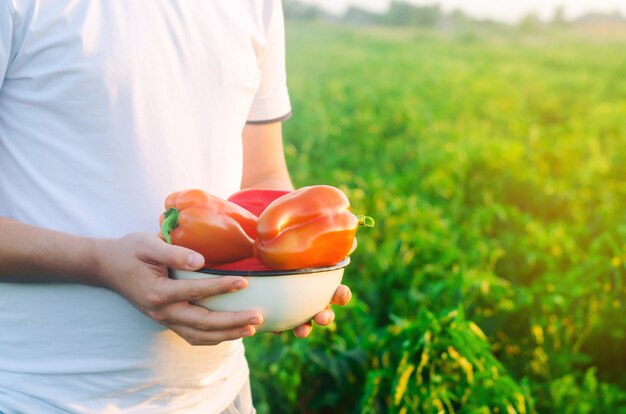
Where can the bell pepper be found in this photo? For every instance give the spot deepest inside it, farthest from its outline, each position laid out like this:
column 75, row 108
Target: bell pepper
column 219, row 230
column 309, row 227
column 249, row 264
column 255, row 200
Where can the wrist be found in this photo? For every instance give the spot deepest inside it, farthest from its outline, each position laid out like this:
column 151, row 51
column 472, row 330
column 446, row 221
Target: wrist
column 271, row 184
column 95, row 264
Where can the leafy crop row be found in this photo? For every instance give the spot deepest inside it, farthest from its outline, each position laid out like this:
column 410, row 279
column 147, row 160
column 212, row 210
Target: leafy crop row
column 494, row 281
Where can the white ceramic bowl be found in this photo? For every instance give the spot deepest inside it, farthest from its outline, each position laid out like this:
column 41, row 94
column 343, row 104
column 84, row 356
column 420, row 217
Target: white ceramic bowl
column 286, row 299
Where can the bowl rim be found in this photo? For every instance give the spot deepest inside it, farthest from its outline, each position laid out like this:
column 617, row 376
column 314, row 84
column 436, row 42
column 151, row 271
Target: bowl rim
column 345, row 262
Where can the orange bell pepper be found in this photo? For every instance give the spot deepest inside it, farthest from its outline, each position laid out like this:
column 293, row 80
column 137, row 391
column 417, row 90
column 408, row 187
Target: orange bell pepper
column 309, row 227
column 219, row 230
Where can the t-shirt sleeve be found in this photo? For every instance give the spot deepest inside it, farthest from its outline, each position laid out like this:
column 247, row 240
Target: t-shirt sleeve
column 271, row 102
column 6, row 38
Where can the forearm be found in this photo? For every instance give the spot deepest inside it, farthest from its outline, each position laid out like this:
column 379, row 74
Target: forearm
column 264, row 163
column 34, row 254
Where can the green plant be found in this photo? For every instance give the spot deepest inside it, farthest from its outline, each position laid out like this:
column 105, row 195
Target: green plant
column 495, row 278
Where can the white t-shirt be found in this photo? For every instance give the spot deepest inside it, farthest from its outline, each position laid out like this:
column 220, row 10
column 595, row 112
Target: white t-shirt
column 106, row 107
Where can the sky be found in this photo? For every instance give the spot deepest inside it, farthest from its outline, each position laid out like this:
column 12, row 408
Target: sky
column 509, row 11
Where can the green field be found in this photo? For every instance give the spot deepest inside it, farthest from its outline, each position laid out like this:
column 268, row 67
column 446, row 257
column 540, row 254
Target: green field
column 495, row 278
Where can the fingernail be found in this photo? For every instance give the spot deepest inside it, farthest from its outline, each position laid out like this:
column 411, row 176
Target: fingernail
column 254, row 321
column 195, row 261
column 248, row 331
column 240, row 284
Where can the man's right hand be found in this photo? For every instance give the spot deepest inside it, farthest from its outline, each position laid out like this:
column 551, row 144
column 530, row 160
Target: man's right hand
column 135, row 266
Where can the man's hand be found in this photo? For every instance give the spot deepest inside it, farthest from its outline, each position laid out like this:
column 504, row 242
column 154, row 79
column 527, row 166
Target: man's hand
column 136, row 268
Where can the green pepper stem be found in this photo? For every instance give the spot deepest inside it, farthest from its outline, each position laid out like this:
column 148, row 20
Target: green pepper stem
column 170, row 222
column 366, row 221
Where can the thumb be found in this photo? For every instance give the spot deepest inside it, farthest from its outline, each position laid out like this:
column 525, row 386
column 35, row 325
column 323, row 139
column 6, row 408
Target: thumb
column 176, row 257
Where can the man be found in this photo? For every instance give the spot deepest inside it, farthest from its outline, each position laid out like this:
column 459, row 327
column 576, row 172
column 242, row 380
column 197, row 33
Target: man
column 107, row 106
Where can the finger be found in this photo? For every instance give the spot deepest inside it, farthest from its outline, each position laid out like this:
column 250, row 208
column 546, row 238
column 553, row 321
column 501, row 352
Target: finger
column 342, row 296
column 198, row 337
column 176, row 257
column 192, row 290
column 199, row 318
column 325, row 317
column 303, row 330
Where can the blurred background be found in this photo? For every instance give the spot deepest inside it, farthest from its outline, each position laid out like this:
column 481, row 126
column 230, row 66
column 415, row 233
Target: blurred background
column 488, row 140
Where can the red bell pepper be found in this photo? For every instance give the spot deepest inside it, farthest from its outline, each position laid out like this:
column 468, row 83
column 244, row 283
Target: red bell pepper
column 249, row 264
column 221, row 231
column 309, row 227
column 255, row 200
